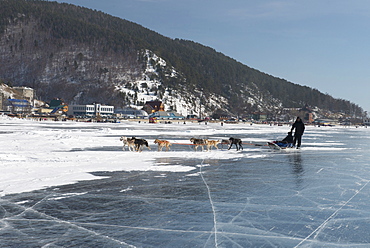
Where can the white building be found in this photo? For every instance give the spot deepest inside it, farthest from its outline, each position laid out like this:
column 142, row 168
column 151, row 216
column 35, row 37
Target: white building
column 26, row 93
column 90, row 110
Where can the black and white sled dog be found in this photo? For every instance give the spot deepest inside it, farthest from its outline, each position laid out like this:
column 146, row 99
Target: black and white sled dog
column 236, row 142
column 140, row 143
column 129, row 142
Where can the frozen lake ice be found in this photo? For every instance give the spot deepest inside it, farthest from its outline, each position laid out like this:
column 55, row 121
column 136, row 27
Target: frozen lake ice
column 67, row 184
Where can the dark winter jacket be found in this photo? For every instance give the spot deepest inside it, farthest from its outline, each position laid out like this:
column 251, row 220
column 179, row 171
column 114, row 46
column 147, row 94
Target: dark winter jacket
column 299, row 127
column 288, row 138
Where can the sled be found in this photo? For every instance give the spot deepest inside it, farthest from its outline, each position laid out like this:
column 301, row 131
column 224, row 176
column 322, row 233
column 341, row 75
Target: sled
column 279, row 145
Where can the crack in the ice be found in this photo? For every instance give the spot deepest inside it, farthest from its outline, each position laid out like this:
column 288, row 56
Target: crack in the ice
column 54, row 219
column 321, row 227
column 210, row 200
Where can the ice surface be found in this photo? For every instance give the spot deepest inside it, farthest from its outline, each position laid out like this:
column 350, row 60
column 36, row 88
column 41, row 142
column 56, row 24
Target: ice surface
column 69, row 184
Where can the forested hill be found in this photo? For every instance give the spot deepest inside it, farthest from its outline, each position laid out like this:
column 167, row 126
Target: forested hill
column 85, row 56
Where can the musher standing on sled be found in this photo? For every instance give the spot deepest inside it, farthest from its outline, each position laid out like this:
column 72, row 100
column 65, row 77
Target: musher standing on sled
column 299, row 130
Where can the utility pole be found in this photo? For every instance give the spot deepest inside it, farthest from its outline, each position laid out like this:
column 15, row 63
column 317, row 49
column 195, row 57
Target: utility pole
column 200, row 103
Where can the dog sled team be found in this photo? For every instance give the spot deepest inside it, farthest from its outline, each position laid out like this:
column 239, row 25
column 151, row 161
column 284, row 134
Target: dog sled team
column 135, row 144
column 289, row 141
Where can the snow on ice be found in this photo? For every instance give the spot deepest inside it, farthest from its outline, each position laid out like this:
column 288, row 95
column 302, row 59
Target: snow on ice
column 41, row 154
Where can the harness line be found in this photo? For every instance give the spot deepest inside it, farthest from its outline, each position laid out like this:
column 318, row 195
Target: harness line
column 187, row 144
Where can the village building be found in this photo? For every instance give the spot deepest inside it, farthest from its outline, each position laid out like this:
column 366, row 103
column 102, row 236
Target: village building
column 306, row 113
column 58, row 106
column 90, row 110
column 153, row 106
column 18, row 100
column 26, row 93
column 131, row 113
column 19, row 106
column 326, row 122
column 2, row 102
column 164, row 115
column 258, row 116
column 156, row 111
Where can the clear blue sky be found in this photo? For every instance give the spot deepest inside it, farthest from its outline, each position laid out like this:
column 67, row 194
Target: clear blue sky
column 323, row 44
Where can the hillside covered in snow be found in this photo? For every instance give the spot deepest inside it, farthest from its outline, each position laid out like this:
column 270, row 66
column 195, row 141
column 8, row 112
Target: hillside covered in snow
column 86, row 56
